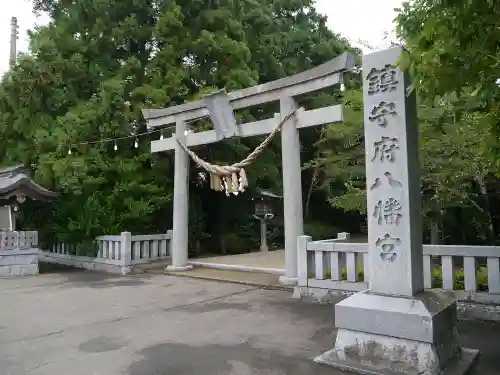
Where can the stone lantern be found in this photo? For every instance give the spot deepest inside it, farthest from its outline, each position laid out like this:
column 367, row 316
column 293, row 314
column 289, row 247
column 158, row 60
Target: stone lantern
column 265, row 202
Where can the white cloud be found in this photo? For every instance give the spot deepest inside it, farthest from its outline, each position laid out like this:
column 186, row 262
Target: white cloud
column 364, row 20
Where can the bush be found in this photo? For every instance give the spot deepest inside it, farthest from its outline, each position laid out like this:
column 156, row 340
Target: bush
column 319, row 230
column 87, row 248
column 437, row 278
column 459, row 283
column 343, row 274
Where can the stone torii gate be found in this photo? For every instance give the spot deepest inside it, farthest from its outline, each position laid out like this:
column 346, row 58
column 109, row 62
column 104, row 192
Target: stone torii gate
column 219, row 107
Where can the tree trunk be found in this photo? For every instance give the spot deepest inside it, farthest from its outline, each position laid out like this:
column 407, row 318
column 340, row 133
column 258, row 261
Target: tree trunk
column 435, row 231
column 487, row 209
column 222, row 242
column 309, row 192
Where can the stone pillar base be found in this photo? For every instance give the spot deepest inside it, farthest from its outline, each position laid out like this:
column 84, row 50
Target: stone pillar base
column 387, row 335
column 125, row 270
column 187, row 267
column 285, row 280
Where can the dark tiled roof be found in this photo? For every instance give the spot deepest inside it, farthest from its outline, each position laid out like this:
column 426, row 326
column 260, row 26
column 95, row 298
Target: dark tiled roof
column 267, row 193
column 15, row 180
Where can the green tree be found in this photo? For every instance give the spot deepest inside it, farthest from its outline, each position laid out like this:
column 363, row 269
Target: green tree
column 99, row 62
column 453, row 50
column 453, row 57
column 456, row 175
column 453, row 44
column 341, row 160
column 78, row 85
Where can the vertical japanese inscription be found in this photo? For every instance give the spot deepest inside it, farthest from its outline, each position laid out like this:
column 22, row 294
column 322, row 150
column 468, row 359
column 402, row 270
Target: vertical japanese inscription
column 386, row 211
column 392, row 172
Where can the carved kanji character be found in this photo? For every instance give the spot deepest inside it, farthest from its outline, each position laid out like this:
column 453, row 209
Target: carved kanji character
column 384, row 149
column 388, row 211
column 382, row 80
column 380, row 113
column 392, row 182
column 388, row 246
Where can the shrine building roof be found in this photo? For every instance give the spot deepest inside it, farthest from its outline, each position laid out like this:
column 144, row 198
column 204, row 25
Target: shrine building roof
column 15, row 182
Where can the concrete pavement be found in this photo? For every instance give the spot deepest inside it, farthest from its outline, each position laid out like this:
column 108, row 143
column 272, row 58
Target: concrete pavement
column 88, row 323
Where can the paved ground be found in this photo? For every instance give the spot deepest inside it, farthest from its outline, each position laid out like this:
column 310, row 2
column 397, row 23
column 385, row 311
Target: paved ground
column 86, row 323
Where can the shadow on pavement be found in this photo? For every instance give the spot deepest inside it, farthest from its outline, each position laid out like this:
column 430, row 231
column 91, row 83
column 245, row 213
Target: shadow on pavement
column 76, row 277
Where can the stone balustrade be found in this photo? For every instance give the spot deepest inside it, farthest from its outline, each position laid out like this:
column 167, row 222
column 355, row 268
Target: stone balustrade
column 337, row 265
column 115, row 254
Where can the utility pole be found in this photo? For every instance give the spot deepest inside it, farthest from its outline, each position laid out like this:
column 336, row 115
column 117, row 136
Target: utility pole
column 13, row 41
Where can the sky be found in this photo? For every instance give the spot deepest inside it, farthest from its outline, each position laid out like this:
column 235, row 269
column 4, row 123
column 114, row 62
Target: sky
column 357, row 20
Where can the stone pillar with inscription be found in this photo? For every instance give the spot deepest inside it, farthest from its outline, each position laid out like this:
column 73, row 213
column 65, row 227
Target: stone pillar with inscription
column 395, row 326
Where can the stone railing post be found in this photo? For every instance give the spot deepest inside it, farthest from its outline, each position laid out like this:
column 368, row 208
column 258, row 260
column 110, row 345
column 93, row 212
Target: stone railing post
column 170, row 234
column 342, row 257
column 302, row 260
column 126, row 253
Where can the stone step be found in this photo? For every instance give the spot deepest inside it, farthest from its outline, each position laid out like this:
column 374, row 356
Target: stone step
column 237, row 267
column 240, row 277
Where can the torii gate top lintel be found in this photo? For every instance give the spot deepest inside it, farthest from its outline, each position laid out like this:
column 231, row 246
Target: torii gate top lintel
column 333, row 67
column 320, row 77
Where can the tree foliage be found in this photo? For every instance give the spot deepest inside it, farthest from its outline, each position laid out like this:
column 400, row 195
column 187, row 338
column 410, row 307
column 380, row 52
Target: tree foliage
column 453, row 56
column 456, row 175
column 99, row 62
column 453, row 52
column 92, row 69
column 448, row 36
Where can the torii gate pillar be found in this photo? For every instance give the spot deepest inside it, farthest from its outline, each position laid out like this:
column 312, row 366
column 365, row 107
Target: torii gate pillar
column 292, row 189
column 179, row 248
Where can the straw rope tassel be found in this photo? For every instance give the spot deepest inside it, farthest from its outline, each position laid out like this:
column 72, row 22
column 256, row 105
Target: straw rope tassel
column 235, row 183
column 243, row 180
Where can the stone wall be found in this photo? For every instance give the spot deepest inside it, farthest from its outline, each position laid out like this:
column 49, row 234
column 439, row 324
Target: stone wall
column 18, row 262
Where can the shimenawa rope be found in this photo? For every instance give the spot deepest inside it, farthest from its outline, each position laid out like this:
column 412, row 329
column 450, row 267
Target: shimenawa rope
column 225, row 177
